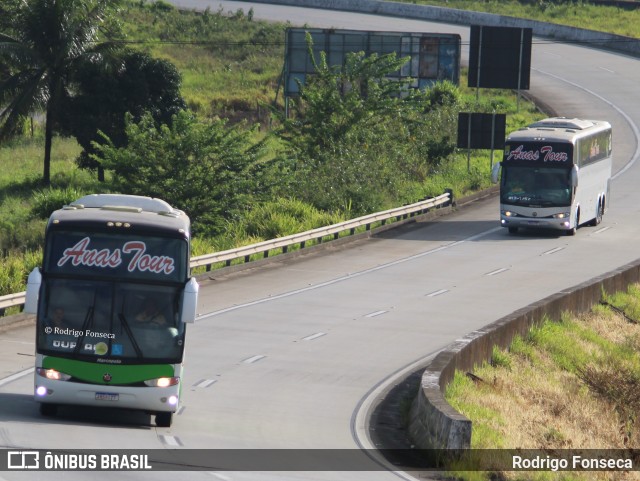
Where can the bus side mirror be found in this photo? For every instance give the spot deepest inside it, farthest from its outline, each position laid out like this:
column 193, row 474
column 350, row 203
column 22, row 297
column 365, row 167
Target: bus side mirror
column 190, row 301
column 495, row 172
column 33, row 291
column 574, row 176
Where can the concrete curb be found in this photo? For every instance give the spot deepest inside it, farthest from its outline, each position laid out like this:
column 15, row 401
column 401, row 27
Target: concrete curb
column 434, row 423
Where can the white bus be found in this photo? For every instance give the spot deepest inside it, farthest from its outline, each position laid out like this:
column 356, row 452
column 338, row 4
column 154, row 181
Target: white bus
column 111, row 301
column 556, row 174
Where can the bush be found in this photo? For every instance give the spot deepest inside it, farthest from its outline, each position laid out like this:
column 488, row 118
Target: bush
column 48, row 200
column 205, row 168
column 283, row 217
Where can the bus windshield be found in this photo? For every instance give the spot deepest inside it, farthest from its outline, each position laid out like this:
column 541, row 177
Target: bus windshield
column 536, row 186
column 110, row 322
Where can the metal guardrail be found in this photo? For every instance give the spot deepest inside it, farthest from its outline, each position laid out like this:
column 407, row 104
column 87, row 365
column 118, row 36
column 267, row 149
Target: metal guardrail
column 11, row 300
column 284, row 243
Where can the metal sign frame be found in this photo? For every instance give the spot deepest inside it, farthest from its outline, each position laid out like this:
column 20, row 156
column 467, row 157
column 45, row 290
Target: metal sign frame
column 434, row 56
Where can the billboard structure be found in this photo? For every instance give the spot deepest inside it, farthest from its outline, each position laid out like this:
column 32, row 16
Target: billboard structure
column 500, row 57
column 481, row 131
column 434, row 56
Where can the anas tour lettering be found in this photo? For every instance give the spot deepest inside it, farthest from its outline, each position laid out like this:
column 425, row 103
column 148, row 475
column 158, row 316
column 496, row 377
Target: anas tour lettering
column 81, row 255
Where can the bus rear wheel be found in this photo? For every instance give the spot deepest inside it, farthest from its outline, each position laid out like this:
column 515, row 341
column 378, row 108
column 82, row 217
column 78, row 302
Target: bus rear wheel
column 599, row 212
column 163, row 420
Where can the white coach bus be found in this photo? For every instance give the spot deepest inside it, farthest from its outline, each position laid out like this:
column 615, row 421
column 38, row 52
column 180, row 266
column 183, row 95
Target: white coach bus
column 555, row 174
column 112, row 299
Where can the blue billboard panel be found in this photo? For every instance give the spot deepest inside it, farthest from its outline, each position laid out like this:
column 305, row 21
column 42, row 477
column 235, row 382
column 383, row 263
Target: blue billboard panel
column 434, row 57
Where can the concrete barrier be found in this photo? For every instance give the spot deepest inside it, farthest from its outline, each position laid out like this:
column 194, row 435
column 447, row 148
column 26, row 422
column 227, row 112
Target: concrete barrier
column 591, row 38
column 434, row 423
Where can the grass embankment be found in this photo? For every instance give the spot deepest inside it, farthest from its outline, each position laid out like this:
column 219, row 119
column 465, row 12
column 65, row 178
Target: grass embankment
column 570, row 384
column 621, row 21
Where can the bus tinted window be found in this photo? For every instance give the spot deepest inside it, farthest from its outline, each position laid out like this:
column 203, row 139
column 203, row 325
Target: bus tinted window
column 110, row 322
column 594, row 148
column 543, row 186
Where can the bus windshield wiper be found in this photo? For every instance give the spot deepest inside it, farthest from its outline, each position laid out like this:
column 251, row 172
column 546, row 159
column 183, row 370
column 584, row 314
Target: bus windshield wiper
column 134, row 343
column 86, row 324
column 127, row 328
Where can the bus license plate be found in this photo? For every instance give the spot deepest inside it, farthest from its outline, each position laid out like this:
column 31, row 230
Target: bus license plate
column 107, row 396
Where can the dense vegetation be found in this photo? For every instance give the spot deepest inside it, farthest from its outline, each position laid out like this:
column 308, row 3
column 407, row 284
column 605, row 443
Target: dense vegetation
column 240, row 169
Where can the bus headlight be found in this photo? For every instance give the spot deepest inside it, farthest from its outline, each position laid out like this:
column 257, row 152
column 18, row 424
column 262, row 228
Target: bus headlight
column 52, row 374
column 162, row 382
column 563, row 215
column 508, row 213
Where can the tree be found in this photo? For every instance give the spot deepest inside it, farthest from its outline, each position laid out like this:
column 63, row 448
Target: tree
column 207, row 169
column 102, row 98
column 48, row 42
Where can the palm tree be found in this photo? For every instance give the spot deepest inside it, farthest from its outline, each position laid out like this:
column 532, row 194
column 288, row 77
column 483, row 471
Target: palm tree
column 48, row 41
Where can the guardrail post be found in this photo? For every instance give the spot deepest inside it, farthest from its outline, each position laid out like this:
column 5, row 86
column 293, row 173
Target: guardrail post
column 450, row 192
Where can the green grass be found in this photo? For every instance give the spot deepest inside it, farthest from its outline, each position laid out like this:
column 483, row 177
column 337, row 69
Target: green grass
column 575, row 14
column 230, row 71
column 569, row 384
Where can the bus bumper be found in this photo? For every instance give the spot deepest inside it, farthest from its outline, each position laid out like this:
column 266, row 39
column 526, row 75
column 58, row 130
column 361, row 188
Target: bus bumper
column 144, row 398
column 535, row 223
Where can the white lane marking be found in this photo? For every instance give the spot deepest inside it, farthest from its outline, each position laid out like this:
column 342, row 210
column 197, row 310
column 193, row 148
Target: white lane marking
column 170, row 440
column 497, row 271
column 221, row 476
column 314, row 336
column 552, row 251
column 438, row 293
column 205, row 383
column 352, row 275
column 17, row 375
column 601, row 230
column 376, row 314
column 28, row 343
column 606, row 69
column 253, row 359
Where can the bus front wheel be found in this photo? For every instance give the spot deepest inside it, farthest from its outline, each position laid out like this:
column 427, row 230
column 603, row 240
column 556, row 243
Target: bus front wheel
column 48, row 409
column 163, row 420
column 573, row 230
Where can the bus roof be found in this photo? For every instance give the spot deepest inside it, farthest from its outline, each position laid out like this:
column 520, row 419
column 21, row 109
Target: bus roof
column 137, row 212
column 562, row 129
column 101, row 201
